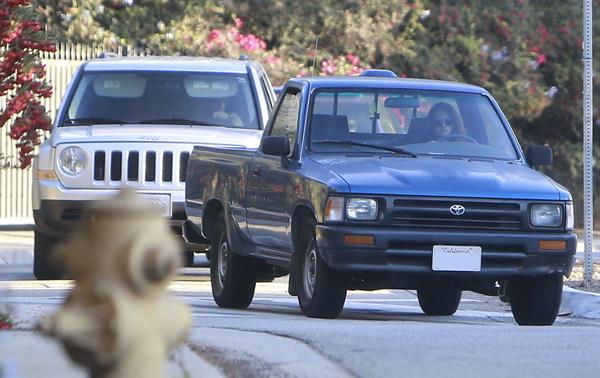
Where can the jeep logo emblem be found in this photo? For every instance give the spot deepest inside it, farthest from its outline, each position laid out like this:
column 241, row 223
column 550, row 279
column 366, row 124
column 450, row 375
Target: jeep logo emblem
column 457, row 209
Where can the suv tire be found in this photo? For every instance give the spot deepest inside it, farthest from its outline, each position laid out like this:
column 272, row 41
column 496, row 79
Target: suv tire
column 232, row 276
column 45, row 264
column 536, row 300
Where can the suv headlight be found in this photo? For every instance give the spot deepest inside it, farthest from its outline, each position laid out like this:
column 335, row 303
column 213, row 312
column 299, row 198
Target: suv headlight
column 361, row 209
column 72, row 160
column 546, row 215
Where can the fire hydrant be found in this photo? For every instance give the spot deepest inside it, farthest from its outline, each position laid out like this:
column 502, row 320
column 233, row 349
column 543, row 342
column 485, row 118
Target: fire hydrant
column 119, row 320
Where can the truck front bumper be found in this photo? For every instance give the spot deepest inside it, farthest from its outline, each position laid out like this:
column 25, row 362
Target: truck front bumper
column 395, row 250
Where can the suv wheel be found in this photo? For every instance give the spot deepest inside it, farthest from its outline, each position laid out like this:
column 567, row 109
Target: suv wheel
column 536, row 300
column 439, row 298
column 322, row 292
column 45, row 266
column 231, row 276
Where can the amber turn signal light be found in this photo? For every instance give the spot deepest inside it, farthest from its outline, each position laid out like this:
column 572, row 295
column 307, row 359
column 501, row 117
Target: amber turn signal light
column 45, row 175
column 553, row 245
column 359, row 239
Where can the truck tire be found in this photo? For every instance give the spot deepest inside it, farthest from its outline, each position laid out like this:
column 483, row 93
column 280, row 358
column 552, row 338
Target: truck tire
column 440, row 299
column 45, row 266
column 322, row 292
column 188, row 258
column 536, row 300
column 231, row 275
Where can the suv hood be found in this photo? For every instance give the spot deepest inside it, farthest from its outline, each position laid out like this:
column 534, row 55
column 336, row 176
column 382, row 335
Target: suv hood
column 205, row 135
column 443, row 177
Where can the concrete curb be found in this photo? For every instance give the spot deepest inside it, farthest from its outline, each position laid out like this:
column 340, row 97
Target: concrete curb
column 262, row 354
column 29, row 354
column 581, row 304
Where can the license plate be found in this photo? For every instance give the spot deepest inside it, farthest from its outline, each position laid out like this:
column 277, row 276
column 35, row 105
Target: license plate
column 162, row 202
column 456, row 258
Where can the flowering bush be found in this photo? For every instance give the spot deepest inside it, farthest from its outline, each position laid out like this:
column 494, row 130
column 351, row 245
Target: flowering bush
column 5, row 322
column 22, row 76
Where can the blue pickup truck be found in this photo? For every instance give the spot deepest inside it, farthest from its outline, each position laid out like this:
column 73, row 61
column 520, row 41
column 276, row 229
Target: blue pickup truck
column 372, row 182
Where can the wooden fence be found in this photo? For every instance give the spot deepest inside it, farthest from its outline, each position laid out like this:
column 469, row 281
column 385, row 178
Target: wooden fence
column 15, row 184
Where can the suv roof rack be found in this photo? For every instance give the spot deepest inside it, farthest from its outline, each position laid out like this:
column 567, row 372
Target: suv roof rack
column 372, row 72
column 107, row 54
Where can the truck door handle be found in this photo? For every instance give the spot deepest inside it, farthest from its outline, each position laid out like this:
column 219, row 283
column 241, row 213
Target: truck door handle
column 256, row 172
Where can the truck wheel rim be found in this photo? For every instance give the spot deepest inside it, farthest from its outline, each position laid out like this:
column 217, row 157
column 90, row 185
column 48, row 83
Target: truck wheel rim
column 310, row 271
column 223, row 250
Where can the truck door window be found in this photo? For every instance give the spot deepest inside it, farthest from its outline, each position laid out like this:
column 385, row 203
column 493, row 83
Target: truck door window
column 286, row 119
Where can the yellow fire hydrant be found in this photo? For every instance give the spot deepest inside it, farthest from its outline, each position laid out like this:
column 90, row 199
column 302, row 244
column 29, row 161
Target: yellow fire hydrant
column 119, row 320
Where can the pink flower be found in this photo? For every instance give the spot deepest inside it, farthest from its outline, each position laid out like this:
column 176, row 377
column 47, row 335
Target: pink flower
column 353, row 59
column 272, row 59
column 541, row 59
column 238, row 23
column 213, row 35
column 328, row 67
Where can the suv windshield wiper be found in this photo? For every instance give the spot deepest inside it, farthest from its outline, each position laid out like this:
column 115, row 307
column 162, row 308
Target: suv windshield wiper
column 177, row 121
column 397, row 150
column 92, row 121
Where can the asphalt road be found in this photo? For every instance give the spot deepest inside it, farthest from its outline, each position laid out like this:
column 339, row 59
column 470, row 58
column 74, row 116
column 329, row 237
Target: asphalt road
column 379, row 334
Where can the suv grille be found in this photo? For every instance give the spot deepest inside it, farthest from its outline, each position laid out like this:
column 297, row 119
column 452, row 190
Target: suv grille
column 479, row 215
column 125, row 166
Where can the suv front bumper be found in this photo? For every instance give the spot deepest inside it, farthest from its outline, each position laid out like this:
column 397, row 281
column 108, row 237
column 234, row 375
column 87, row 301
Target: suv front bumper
column 395, row 250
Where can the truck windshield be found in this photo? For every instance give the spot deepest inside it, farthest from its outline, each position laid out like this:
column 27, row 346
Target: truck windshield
column 418, row 122
column 198, row 99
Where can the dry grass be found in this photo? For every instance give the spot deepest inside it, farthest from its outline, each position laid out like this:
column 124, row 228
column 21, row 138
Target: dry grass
column 576, row 279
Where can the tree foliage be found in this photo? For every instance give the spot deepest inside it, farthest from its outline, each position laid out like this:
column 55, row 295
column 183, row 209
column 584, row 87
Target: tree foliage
column 22, row 75
column 526, row 52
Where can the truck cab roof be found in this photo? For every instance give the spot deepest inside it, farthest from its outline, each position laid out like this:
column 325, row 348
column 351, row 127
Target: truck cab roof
column 366, row 82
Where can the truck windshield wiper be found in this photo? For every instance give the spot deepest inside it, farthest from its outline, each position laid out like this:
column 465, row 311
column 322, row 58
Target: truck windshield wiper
column 397, row 150
column 177, row 121
column 92, row 121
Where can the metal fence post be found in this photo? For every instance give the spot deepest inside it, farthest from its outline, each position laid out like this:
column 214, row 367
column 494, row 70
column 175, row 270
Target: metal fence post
column 588, row 147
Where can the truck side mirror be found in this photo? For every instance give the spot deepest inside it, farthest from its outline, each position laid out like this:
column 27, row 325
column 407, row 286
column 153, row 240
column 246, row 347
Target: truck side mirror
column 539, row 155
column 276, row 146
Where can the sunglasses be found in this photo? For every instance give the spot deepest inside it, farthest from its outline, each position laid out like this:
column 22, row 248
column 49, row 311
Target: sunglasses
column 443, row 122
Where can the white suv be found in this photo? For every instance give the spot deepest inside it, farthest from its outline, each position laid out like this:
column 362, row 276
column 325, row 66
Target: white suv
column 131, row 123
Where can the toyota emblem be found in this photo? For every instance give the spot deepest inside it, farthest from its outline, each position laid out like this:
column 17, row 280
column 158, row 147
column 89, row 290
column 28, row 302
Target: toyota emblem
column 457, row 209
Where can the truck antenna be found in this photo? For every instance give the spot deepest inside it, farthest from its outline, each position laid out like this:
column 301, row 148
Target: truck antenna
column 312, row 69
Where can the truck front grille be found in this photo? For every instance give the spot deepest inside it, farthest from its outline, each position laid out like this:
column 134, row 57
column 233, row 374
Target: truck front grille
column 478, row 215
column 124, row 166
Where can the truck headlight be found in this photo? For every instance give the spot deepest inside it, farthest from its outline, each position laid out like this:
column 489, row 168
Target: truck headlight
column 72, row 160
column 570, row 223
column 361, row 209
column 546, row 215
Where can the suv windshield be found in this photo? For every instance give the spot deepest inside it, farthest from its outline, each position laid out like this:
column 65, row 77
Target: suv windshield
column 415, row 122
column 203, row 99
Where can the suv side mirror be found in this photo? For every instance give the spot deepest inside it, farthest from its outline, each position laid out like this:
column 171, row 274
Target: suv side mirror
column 539, row 155
column 276, row 146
